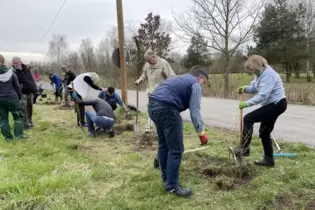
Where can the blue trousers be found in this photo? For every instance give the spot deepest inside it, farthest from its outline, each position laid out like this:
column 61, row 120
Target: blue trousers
column 101, row 121
column 169, row 127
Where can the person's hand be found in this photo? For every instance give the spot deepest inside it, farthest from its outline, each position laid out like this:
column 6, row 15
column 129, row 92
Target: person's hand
column 241, row 89
column 242, row 105
column 137, row 82
column 103, row 89
column 203, row 138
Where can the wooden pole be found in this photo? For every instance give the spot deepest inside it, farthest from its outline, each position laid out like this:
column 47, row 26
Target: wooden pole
column 123, row 73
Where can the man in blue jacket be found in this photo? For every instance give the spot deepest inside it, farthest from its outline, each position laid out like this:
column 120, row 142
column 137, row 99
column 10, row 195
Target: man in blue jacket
column 55, row 79
column 113, row 98
column 166, row 102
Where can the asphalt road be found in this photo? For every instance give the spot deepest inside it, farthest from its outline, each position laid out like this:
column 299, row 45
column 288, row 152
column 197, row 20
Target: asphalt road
column 297, row 124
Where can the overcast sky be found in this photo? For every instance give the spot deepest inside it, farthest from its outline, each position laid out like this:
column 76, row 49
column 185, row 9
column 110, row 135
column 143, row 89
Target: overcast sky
column 24, row 22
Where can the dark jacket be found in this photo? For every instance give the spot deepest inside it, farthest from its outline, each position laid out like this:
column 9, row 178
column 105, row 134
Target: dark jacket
column 101, row 107
column 70, row 76
column 9, row 85
column 26, row 80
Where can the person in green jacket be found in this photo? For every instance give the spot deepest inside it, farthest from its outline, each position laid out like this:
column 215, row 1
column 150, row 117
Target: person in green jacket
column 10, row 96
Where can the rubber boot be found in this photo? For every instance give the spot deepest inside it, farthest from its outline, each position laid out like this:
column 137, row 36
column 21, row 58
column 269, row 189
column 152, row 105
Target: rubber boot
column 268, row 159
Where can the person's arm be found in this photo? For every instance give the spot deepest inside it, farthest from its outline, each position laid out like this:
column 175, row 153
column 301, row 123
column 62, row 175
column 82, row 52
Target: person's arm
column 90, row 82
column 144, row 74
column 251, row 89
column 267, row 83
column 120, row 102
column 194, row 107
column 167, row 71
column 58, row 83
column 101, row 95
column 16, row 86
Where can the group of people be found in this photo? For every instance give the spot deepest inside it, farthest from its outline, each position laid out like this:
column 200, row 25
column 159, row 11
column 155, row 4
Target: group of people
column 169, row 95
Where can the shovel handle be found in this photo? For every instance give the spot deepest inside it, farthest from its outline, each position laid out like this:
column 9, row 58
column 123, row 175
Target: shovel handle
column 241, row 121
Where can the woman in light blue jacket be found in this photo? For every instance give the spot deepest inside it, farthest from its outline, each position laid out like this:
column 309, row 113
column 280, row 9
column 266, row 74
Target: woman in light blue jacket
column 270, row 93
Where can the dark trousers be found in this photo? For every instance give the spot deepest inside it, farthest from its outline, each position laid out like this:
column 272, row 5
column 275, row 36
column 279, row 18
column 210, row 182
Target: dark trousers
column 267, row 116
column 13, row 106
column 81, row 114
column 169, row 127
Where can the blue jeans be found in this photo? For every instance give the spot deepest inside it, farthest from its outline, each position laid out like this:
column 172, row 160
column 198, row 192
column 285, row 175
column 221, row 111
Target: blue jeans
column 101, row 121
column 169, row 127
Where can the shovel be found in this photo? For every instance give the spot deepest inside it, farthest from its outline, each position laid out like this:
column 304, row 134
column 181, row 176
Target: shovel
column 136, row 128
column 238, row 152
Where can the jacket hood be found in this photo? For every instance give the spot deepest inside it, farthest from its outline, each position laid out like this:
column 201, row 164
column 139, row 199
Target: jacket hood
column 5, row 74
column 3, row 69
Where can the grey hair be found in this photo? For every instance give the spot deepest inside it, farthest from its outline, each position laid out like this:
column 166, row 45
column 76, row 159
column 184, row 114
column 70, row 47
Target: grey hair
column 64, row 68
column 94, row 76
column 16, row 58
column 148, row 54
column 198, row 71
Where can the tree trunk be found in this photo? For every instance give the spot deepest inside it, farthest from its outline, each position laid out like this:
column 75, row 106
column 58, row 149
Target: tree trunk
column 297, row 70
column 288, row 72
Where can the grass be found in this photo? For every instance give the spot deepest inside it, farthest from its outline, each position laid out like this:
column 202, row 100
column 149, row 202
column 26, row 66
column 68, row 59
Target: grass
column 59, row 167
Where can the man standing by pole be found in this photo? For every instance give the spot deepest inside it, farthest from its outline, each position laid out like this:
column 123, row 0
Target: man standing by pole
column 155, row 71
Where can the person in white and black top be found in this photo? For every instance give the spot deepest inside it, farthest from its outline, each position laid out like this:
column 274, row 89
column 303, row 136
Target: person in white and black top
column 84, row 88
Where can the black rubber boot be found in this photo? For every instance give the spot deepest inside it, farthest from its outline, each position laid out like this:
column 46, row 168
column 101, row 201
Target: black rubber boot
column 268, row 159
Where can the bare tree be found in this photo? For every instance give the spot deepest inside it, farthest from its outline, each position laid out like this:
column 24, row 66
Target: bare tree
column 225, row 24
column 73, row 62
column 87, row 54
column 58, row 47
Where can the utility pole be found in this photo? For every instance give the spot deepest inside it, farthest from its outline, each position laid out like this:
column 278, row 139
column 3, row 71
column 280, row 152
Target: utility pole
column 123, row 73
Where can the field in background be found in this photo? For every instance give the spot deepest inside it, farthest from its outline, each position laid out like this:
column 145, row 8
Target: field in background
column 59, row 167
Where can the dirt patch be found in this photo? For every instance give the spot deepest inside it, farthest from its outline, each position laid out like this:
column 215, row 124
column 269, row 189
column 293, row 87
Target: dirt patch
column 310, row 205
column 120, row 128
column 146, row 141
column 225, row 174
column 284, row 201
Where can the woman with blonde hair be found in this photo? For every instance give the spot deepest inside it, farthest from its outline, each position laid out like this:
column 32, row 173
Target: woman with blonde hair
column 270, row 93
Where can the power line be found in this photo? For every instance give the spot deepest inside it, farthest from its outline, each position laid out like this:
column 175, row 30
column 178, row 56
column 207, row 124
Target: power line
column 52, row 23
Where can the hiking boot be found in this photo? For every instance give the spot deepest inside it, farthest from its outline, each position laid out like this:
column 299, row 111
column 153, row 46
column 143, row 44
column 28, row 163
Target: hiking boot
column 92, row 135
column 182, row 192
column 266, row 161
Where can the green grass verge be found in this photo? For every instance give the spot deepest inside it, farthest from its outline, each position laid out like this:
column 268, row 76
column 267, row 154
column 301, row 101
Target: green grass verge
column 59, row 167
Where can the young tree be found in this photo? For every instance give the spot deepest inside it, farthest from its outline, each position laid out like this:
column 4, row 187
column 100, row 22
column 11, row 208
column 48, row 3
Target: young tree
column 150, row 36
column 198, row 52
column 226, row 25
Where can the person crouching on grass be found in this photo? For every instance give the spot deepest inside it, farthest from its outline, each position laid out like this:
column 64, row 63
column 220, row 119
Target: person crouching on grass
column 166, row 102
column 271, row 95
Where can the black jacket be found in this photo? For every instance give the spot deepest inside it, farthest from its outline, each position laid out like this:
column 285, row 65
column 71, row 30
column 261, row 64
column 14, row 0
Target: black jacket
column 26, row 80
column 70, row 76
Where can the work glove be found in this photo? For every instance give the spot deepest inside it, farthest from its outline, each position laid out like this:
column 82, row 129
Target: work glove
column 138, row 81
column 242, row 105
column 241, row 89
column 74, row 95
column 203, row 138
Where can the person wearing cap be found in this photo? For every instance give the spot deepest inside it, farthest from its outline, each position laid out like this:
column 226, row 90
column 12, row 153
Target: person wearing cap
column 155, row 71
column 68, row 78
column 56, row 80
column 166, row 102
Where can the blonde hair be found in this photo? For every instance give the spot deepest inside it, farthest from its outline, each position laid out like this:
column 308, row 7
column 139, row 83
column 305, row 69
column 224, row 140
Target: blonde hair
column 255, row 62
column 2, row 60
column 95, row 78
column 148, row 54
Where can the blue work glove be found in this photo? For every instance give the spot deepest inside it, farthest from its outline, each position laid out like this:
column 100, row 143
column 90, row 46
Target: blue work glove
column 74, row 95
